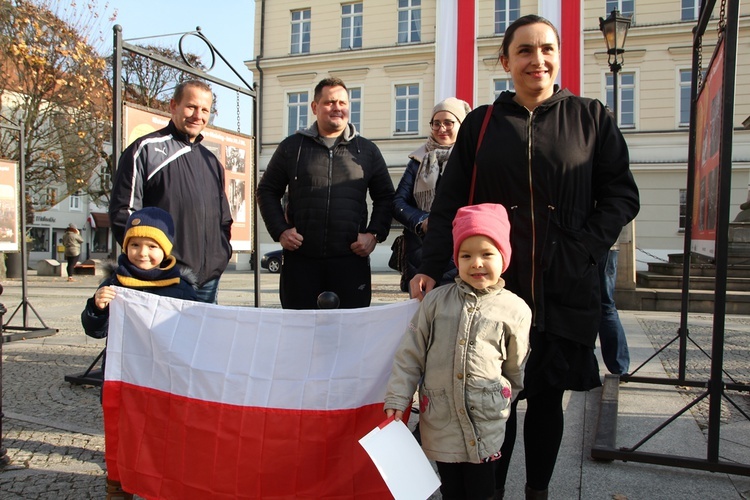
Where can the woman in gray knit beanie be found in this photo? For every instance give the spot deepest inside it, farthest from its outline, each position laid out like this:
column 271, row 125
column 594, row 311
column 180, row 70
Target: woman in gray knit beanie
column 416, row 190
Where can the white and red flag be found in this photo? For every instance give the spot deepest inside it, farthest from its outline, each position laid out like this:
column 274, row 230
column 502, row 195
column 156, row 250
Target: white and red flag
column 205, row 401
column 566, row 15
column 456, row 52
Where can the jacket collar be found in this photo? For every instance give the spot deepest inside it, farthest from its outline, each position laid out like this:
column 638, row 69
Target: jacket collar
column 466, row 288
column 182, row 136
column 350, row 132
column 558, row 95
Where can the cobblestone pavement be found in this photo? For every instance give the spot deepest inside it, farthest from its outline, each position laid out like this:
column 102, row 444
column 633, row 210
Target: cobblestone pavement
column 53, row 430
column 735, row 405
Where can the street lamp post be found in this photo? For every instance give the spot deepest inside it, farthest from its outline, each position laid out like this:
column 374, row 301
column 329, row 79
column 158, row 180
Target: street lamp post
column 615, row 29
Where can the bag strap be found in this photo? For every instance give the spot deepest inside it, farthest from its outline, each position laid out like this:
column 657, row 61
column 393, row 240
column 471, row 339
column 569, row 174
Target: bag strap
column 487, row 116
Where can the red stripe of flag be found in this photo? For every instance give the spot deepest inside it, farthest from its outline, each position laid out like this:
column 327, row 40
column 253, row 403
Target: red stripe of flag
column 186, row 448
column 570, row 33
column 465, row 40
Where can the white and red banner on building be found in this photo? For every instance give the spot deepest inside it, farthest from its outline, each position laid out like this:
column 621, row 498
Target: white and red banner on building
column 456, row 50
column 205, row 401
column 566, row 16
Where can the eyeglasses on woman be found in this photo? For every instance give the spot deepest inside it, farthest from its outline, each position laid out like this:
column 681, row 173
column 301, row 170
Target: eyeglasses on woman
column 447, row 124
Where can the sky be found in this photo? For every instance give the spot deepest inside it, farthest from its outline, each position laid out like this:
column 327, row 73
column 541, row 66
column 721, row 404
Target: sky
column 228, row 24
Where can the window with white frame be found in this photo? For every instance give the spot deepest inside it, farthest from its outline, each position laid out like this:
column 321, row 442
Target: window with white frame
column 626, row 106
column 690, row 10
column 683, row 210
column 407, row 108
column 626, row 7
column 297, row 106
column 355, row 107
column 409, row 21
column 500, row 85
column 351, row 25
column 75, row 202
column 105, row 178
column 300, row 31
column 685, row 81
column 506, row 11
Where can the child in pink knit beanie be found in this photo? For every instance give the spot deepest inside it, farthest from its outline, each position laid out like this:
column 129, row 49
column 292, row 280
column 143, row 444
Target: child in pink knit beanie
column 467, row 344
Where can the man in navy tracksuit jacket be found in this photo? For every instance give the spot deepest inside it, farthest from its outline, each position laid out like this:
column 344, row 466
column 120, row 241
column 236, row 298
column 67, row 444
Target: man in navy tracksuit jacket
column 170, row 169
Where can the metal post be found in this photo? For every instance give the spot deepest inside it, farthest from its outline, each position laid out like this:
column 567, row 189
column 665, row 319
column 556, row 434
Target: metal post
column 4, row 460
column 615, row 67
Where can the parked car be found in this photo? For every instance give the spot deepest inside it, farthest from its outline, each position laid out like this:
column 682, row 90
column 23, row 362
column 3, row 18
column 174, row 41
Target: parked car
column 272, row 261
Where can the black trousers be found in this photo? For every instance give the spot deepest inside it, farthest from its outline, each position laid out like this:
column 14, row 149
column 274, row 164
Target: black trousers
column 542, row 435
column 72, row 261
column 304, row 278
column 466, row 481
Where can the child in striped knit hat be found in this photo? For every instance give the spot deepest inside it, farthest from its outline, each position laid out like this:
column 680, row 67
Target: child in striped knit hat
column 145, row 264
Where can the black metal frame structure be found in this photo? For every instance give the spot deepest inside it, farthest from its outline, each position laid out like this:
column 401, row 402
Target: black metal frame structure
column 715, row 388
column 120, row 45
column 24, row 331
column 94, row 374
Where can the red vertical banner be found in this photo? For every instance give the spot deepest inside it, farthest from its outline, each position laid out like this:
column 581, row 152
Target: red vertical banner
column 466, row 50
column 565, row 15
column 708, row 136
column 570, row 54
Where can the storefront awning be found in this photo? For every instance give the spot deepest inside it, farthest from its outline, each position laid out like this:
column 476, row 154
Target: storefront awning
column 98, row 220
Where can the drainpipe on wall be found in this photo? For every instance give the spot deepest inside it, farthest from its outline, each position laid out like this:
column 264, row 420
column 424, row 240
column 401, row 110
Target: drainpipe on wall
column 259, row 83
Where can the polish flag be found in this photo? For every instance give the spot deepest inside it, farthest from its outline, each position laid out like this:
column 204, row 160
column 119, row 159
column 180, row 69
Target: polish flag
column 206, row 401
column 566, row 15
column 455, row 50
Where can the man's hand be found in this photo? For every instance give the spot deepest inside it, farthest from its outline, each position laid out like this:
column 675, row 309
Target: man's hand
column 364, row 245
column 419, row 285
column 290, row 239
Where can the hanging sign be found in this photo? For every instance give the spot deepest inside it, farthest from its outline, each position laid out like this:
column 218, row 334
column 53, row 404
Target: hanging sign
column 9, row 207
column 234, row 151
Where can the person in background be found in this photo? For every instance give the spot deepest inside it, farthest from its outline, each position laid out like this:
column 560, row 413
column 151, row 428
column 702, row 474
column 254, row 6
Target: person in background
column 612, row 337
column 72, row 241
column 416, row 190
column 146, row 264
column 467, row 344
column 560, row 166
column 172, row 170
column 329, row 169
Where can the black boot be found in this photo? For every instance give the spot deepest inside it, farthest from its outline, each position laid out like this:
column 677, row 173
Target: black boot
column 535, row 494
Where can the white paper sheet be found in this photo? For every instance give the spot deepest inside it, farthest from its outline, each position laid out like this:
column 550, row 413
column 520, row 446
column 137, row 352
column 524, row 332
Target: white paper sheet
column 400, row 460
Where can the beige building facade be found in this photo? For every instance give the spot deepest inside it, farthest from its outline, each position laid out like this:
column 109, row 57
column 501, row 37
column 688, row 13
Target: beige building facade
column 385, row 51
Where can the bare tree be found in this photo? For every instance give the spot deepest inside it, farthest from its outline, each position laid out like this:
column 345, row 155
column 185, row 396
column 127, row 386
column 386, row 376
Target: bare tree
column 53, row 83
column 150, row 83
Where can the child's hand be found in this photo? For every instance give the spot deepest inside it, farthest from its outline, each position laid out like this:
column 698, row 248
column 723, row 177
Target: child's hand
column 104, row 296
column 398, row 414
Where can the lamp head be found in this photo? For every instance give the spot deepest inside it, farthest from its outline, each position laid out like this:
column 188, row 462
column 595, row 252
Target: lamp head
column 615, row 30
